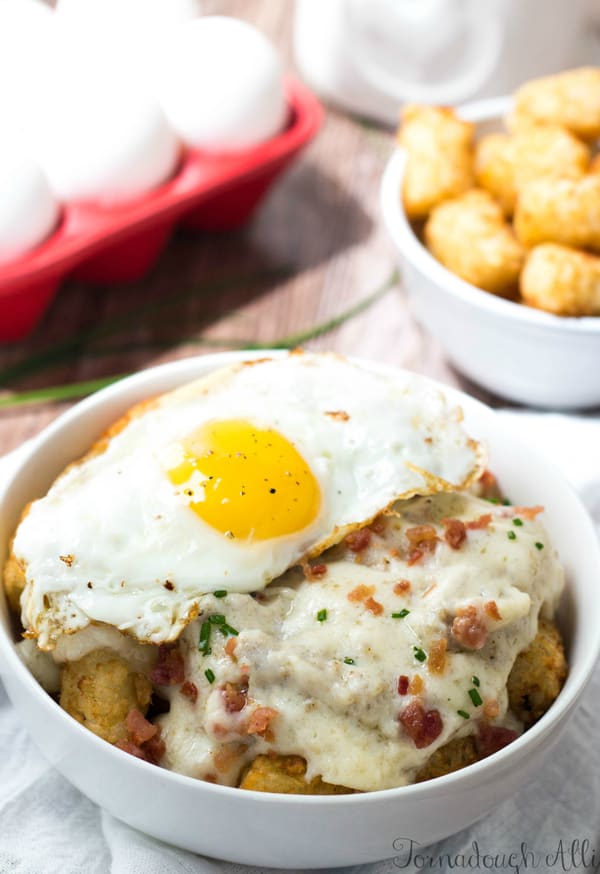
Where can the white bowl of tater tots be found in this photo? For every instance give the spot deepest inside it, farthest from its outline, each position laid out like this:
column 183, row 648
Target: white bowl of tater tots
column 86, row 666
column 495, row 211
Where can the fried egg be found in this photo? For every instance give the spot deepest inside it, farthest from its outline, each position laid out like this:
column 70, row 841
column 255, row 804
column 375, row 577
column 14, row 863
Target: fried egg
column 227, row 482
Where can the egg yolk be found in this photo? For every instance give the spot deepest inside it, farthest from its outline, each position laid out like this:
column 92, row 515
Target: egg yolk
column 246, row 482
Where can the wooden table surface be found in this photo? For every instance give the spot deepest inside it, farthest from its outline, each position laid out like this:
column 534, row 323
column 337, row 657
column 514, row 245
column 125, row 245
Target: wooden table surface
column 315, row 247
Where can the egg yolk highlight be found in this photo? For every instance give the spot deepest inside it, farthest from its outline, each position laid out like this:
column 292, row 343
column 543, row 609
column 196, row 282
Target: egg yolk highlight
column 246, row 482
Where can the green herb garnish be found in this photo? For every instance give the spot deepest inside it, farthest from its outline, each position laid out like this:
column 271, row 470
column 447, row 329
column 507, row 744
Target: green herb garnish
column 511, row 535
column 404, row 612
column 349, row 661
column 475, row 697
column 220, row 593
column 463, row 713
column 209, row 675
column 419, row 653
column 216, row 619
column 518, row 522
column 204, row 641
column 475, row 681
column 228, row 630
column 321, row 615
column 539, row 545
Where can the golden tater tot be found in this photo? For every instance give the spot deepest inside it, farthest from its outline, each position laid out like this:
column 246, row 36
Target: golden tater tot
column 14, row 582
column 453, row 756
column 562, row 281
column 439, row 162
column 570, row 99
column 100, row 689
column 470, row 237
column 538, row 674
column 563, row 211
column 503, row 164
column 286, row 774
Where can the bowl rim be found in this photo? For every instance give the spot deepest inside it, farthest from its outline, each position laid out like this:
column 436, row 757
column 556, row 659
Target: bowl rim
column 201, row 365
column 418, row 255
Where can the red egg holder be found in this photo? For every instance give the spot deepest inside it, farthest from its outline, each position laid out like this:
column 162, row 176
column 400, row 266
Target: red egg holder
column 120, row 244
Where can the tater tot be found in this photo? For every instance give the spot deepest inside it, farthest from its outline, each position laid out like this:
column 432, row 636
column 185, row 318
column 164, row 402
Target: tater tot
column 286, row 774
column 571, row 99
column 14, row 582
column 100, row 689
column 562, row 281
column 453, row 756
column 563, row 211
column 439, row 162
column 503, row 164
column 537, row 675
column 470, row 237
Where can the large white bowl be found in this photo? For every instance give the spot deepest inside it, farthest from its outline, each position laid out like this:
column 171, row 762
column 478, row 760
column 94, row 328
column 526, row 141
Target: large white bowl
column 287, row 830
column 515, row 351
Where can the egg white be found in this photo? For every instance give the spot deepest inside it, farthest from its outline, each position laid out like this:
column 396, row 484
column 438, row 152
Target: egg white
column 124, row 531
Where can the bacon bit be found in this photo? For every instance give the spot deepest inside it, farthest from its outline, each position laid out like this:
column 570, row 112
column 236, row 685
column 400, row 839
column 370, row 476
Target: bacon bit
column 358, row 540
column 210, row 778
column 374, row 606
column 422, row 726
column 480, row 523
column 436, row 661
column 128, row 747
column 68, row 559
column 491, row 609
column 429, row 590
column 155, row 749
column 230, row 647
column 377, row 526
column 455, row 534
column 423, row 539
column 528, row 512
column 226, row 755
column 395, row 553
column 314, row 571
column 260, row 722
column 492, row 738
column 491, row 708
column 138, row 727
column 402, row 587
column 469, row 628
column 488, row 479
column 403, row 683
column 235, row 696
column 361, row 593
column 416, row 685
column 169, row 669
column 338, row 415
column 190, row 690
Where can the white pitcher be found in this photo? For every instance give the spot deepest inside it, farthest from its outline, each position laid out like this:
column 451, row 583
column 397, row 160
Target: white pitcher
column 371, row 56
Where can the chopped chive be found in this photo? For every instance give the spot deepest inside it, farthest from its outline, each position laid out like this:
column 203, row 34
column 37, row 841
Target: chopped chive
column 518, row 522
column 321, row 615
column 228, row 630
column 475, row 681
column 404, row 612
column 220, row 593
column 204, row 641
column 419, row 653
column 492, row 500
column 511, row 535
column 349, row 661
column 475, row 697
column 217, row 619
column 506, row 502
column 539, row 545
column 209, row 675
column 463, row 713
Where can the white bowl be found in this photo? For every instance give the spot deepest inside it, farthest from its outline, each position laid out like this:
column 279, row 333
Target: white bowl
column 515, row 351
column 287, row 830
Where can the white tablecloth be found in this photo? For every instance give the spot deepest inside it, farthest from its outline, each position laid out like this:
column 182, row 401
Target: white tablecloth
column 47, row 827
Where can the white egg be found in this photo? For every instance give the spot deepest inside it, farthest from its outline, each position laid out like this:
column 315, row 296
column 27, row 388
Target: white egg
column 101, row 137
column 221, row 85
column 226, row 483
column 28, row 210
